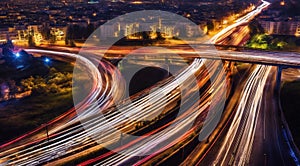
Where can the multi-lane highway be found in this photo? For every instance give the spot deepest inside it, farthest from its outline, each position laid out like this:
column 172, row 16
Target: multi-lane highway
column 166, row 138
column 98, row 127
column 105, row 84
column 237, row 145
column 103, row 122
column 270, row 142
column 245, row 19
column 291, row 59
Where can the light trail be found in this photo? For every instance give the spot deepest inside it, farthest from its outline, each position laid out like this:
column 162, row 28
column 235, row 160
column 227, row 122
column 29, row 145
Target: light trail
column 175, row 134
column 99, row 99
column 137, row 150
column 240, row 21
column 237, row 146
column 49, row 150
column 96, row 88
column 66, row 141
column 291, row 59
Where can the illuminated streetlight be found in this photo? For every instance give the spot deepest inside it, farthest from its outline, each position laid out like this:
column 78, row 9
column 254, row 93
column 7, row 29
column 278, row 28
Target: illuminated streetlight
column 47, row 60
column 225, row 22
column 17, row 55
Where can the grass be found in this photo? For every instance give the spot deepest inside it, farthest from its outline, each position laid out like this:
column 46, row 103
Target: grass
column 19, row 116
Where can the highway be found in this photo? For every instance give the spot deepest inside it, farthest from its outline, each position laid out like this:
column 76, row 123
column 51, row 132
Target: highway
column 237, row 145
column 255, row 135
column 64, row 141
column 235, row 139
column 105, row 84
column 245, row 19
column 289, row 59
column 270, row 143
column 172, row 133
column 104, row 121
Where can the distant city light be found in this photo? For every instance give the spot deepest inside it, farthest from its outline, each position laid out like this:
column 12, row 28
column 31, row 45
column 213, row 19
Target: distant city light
column 282, row 3
column 93, row 2
column 137, row 2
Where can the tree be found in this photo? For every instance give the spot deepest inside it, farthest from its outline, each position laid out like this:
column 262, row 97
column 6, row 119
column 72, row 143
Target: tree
column 89, row 30
column 159, row 35
column 72, row 43
column 53, row 88
column 46, row 32
column 255, row 28
column 69, row 34
column 52, row 38
column 210, row 26
column 145, row 35
column 78, row 32
column 66, row 41
column 13, row 88
column 27, row 84
column 31, row 42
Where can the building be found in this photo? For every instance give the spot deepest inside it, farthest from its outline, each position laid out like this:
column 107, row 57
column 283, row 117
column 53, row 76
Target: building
column 108, row 31
column 279, row 27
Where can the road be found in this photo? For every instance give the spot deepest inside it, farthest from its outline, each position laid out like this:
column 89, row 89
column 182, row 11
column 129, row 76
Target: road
column 255, row 135
column 270, row 135
column 102, row 125
column 237, row 145
column 106, row 80
column 173, row 132
column 245, row 19
column 290, row 59
column 67, row 141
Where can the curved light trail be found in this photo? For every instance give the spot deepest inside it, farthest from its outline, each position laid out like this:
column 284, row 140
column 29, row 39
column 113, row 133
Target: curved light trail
column 245, row 19
column 178, row 131
column 104, row 84
column 63, row 141
column 103, row 124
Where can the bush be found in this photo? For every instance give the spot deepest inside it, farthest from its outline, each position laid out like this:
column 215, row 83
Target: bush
column 55, row 82
column 264, row 41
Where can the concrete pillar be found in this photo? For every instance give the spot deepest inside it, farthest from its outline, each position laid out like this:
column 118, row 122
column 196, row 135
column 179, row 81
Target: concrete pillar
column 278, row 79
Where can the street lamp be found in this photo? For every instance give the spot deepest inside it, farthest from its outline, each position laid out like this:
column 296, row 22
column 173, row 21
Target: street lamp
column 17, row 55
column 47, row 60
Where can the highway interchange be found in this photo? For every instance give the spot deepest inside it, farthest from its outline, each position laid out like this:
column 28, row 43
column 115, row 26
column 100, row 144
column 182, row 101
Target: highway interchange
column 102, row 119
